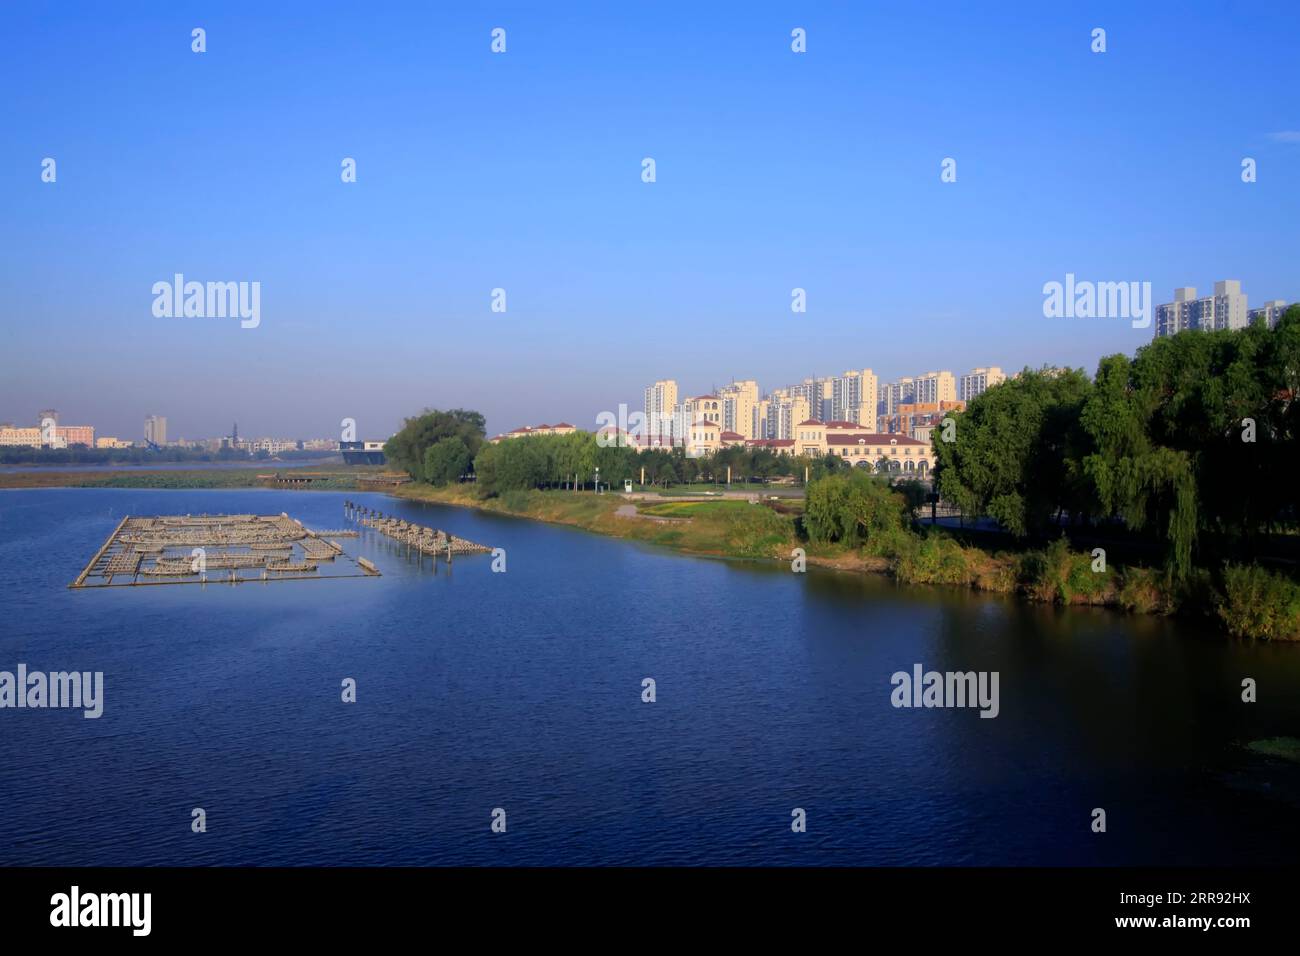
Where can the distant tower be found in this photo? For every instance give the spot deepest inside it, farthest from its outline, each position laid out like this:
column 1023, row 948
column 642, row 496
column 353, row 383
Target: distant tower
column 155, row 430
column 47, row 413
column 234, row 435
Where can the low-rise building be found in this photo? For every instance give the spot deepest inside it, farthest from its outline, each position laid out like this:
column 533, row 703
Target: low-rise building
column 704, row 438
column 883, row 453
column 560, row 428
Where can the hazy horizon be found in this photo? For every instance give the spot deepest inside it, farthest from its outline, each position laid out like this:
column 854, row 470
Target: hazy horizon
column 522, row 171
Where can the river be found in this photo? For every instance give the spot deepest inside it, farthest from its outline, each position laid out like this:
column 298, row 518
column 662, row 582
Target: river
column 522, row 691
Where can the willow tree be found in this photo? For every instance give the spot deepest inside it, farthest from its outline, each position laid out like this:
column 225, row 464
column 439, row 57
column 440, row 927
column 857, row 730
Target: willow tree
column 1016, row 452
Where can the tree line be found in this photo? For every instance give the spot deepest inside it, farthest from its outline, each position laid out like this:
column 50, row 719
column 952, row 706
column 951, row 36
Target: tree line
column 441, row 447
column 1191, row 444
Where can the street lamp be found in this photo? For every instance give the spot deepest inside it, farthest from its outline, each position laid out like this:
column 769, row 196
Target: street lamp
column 598, row 479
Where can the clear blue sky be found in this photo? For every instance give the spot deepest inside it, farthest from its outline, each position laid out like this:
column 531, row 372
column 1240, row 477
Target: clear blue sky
column 522, row 171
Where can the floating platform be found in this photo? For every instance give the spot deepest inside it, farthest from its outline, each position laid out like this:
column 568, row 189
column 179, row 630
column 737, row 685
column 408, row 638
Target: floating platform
column 216, row 549
column 423, row 540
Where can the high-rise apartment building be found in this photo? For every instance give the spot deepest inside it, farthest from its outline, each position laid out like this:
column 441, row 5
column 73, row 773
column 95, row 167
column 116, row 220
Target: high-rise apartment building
column 817, row 392
column 659, row 401
column 854, row 396
column 1270, row 312
column 738, row 402
column 1226, row 309
column 934, row 387
column 155, row 429
column 977, row 381
column 893, row 394
column 790, row 413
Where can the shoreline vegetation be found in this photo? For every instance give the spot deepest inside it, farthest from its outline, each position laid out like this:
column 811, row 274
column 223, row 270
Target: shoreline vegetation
column 738, row 529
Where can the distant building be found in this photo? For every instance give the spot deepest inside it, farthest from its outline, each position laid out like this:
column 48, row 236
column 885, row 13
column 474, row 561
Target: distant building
column 155, row 430
column 77, row 434
column 687, row 413
column 893, row 394
column 854, row 397
column 1226, row 309
column 560, row 428
column 810, row 437
column 704, row 438
column 362, row 452
column 738, row 401
column 1269, row 313
column 660, row 398
column 977, row 381
column 12, row 437
column 109, row 442
column 912, row 414
column 933, row 387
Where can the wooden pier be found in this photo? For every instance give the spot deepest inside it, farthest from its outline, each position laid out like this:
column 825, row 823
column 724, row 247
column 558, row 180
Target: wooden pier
column 419, row 538
column 188, row 549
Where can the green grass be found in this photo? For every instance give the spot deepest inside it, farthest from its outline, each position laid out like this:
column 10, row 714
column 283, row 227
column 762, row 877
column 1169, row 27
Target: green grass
column 692, row 509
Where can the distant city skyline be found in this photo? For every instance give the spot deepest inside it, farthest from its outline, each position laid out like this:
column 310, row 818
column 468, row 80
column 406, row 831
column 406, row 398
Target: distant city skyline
column 522, row 172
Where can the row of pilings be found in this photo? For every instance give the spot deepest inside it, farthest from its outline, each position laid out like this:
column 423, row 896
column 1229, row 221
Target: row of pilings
column 416, row 537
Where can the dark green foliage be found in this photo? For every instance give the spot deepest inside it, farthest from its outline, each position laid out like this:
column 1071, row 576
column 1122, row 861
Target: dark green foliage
column 850, row 508
column 407, row 449
column 1258, row 603
column 1016, row 453
column 446, row 461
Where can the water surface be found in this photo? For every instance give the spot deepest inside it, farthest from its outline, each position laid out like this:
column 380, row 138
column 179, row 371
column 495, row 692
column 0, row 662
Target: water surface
column 522, row 691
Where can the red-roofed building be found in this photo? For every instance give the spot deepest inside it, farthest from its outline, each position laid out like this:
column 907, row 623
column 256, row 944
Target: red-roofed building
column 895, row 453
column 560, row 428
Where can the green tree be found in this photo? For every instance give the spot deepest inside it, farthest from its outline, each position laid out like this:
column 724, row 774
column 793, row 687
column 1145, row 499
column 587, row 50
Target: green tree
column 446, row 461
column 850, row 507
column 406, row 449
column 1017, row 451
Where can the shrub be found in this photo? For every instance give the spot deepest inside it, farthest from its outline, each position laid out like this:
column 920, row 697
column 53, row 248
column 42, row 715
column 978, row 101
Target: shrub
column 933, row 560
column 1062, row 576
column 1259, row 603
column 754, row 532
column 996, row 573
column 1143, row 591
column 851, row 509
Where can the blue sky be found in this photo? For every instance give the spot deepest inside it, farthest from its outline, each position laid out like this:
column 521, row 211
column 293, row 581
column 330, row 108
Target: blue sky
column 522, row 171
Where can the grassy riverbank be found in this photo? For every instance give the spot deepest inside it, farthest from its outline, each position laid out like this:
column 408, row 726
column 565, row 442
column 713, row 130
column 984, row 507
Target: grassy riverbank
column 1247, row 602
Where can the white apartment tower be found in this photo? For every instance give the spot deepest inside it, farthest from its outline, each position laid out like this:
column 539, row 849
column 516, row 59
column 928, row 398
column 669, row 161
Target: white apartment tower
column 977, row 381
column 934, row 387
column 1226, row 309
column 854, row 396
column 155, row 429
column 738, row 402
column 659, row 401
column 1270, row 312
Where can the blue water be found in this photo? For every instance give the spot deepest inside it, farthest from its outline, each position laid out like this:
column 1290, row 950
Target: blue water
column 263, row 465
column 522, row 691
